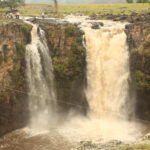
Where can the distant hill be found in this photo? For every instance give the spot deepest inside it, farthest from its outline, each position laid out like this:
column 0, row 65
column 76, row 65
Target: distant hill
column 78, row 1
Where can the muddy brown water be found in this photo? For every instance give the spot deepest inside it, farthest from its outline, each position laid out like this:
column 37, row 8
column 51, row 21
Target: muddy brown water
column 24, row 139
column 20, row 140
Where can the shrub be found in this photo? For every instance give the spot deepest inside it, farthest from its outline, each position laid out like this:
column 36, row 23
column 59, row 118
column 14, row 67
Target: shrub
column 146, row 45
column 20, row 49
column 70, row 31
column 1, row 58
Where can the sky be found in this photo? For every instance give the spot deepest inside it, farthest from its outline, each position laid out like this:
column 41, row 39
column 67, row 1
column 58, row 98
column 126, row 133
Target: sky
column 76, row 1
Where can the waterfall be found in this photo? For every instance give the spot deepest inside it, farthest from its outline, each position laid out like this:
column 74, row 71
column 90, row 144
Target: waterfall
column 108, row 72
column 107, row 91
column 42, row 98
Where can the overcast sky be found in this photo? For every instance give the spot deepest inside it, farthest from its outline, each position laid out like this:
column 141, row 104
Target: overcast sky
column 76, row 1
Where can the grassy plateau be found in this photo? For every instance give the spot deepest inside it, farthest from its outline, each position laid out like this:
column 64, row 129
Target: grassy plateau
column 87, row 9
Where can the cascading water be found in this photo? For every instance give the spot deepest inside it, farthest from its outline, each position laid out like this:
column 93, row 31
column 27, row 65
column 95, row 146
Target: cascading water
column 108, row 72
column 42, row 98
column 107, row 90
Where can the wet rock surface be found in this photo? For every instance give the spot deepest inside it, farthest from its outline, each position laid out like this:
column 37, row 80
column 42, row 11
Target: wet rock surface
column 97, row 25
column 132, row 18
column 111, row 145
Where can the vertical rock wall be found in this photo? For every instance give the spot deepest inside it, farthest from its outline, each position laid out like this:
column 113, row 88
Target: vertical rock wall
column 13, row 105
column 139, row 46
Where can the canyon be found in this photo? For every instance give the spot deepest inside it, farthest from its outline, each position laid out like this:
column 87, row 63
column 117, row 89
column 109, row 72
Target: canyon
column 66, row 45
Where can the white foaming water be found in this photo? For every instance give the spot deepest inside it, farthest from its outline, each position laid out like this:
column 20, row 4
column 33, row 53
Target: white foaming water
column 42, row 98
column 107, row 85
column 107, row 73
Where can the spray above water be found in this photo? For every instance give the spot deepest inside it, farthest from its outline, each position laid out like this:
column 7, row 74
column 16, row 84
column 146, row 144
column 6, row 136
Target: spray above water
column 42, row 98
column 108, row 73
column 107, row 89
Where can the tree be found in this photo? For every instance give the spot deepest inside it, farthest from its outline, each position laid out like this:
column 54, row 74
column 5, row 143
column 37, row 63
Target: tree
column 56, row 5
column 129, row 1
column 12, row 4
column 142, row 1
column 139, row 1
column 145, row 1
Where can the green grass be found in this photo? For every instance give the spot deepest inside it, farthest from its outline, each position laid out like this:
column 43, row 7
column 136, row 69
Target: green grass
column 136, row 147
column 105, row 8
column 88, row 9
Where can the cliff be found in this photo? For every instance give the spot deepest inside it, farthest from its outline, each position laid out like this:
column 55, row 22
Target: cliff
column 68, row 54
column 138, row 38
column 13, row 105
column 69, row 62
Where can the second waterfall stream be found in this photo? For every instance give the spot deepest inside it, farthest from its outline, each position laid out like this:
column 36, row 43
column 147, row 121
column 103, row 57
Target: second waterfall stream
column 42, row 97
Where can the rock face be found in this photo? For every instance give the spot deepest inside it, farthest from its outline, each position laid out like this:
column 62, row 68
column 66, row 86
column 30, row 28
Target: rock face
column 69, row 62
column 139, row 46
column 68, row 58
column 132, row 18
column 13, row 105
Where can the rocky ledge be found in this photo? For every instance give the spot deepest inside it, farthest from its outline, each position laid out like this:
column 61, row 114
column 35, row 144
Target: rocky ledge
column 132, row 18
column 142, row 144
column 69, row 62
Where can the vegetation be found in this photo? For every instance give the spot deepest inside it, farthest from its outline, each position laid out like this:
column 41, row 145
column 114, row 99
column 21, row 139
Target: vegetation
column 1, row 58
column 129, row 1
column 105, row 8
column 70, row 31
column 26, row 28
column 142, row 1
column 137, row 147
column 20, row 48
column 12, row 4
column 87, row 9
column 142, row 80
column 68, row 62
column 20, row 52
column 146, row 45
column 3, row 54
column 5, row 51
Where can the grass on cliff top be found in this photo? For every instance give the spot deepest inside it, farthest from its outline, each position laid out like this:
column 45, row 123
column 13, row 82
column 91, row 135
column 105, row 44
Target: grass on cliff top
column 105, row 8
column 87, row 9
column 136, row 147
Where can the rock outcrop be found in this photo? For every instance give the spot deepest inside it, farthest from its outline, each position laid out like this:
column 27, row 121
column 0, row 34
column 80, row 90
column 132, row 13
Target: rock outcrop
column 68, row 54
column 139, row 45
column 132, row 18
column 13, row 105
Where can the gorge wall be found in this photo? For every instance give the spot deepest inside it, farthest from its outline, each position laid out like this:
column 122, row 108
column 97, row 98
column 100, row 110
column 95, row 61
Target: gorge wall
column 139, row 47
column 65, row 42
column 13, row 105
column 68, row 54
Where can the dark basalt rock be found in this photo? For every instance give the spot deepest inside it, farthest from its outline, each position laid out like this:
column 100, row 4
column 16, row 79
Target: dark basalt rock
column 13, row 104
column 97, row 25
column 132, row 18
column 138, row 38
